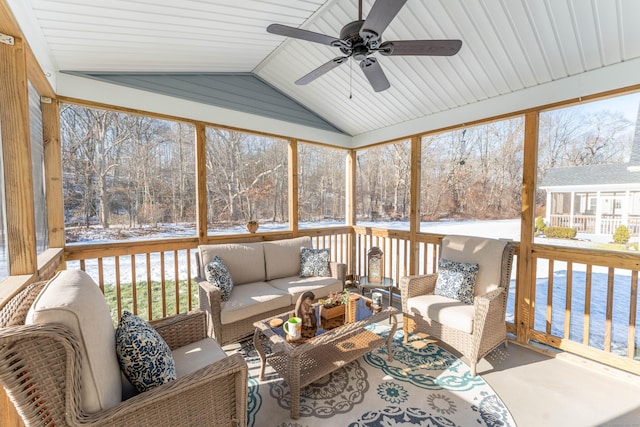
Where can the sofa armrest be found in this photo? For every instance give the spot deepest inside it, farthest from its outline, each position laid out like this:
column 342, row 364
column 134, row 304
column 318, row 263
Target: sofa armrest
column 412, row 286
column 338, row 271
column 211, row 303
column 183, row 329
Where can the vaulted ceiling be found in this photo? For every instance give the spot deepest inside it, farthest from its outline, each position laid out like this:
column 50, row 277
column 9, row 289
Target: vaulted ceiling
column 516, row 54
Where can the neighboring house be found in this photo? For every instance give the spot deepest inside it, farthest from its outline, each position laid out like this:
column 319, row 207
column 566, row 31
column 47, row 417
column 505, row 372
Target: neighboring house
column 596, row 199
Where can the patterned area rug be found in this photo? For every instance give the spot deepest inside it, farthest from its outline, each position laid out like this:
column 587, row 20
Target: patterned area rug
column 423, row 386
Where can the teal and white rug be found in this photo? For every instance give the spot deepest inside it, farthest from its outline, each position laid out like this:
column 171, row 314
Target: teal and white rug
column 423, row 386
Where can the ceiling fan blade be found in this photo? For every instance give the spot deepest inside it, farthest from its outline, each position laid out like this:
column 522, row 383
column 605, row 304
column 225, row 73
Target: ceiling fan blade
column 420, row 47
column 380, row 16
column 327, row 66
column 373, row 72
column 297, row 33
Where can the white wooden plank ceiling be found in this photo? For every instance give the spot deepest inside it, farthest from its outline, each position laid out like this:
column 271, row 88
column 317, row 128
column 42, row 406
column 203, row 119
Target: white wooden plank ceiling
column 508, row 45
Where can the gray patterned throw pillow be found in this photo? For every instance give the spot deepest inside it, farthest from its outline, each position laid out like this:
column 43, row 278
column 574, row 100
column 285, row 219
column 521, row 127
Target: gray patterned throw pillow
column 144, row 357
column 456, row 280
column 314, row 262
column 218, row 275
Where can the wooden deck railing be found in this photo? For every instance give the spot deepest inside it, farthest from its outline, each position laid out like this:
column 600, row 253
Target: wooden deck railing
column 584, row 301
column 155, row 279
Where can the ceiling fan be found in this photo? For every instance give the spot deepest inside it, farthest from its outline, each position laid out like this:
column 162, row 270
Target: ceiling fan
column 362, row 38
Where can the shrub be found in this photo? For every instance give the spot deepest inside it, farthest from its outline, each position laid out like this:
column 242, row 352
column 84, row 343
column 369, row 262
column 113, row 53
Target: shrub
column 540, row 224
column 560, row 232
column 621, row 235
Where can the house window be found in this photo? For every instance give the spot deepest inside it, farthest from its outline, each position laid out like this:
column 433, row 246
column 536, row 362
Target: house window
column 37, row 169
column 126, row 176
column 321, row 186
column 247, row 180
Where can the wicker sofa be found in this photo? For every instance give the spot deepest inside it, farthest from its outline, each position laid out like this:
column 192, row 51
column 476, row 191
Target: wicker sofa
column 267, row 282
column 60, row 368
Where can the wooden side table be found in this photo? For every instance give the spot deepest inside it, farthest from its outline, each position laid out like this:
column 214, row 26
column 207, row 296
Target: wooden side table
column 385, row 284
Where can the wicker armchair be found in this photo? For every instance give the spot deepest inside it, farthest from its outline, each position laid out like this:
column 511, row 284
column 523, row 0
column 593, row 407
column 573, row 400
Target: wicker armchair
column 474, row 330
column 40, row 371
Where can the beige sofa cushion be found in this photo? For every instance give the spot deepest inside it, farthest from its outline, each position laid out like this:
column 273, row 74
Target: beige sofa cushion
column 73, row 299
column 296, row 286
column 282, row 257
column 446, row 311
column 487, row 253
column 245, row 261
column 252, row 299
column 197, row 355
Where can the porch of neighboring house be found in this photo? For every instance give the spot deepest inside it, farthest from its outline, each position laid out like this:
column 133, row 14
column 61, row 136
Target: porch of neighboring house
column 594, row 212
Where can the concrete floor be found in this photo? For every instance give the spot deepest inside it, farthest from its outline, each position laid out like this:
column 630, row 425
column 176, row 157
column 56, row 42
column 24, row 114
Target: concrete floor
column 543, row 387
column 561, row 390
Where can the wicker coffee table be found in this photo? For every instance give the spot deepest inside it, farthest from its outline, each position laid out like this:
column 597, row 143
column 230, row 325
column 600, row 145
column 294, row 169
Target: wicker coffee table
column 302, row 362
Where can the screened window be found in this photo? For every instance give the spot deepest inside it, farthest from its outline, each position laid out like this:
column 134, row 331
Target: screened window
column 589, row 172
column 321, row 186
column 383, row 185
column 126, row 176
column 246, row 181
column 37, row 168
column 4, row 252
column 471, row 180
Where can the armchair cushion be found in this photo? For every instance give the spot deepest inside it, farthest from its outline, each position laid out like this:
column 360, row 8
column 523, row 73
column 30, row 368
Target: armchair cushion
column 218, row 275
column 314, row 262
column 145, row 358
column 446, row 311
column 456, row 280
column 73, row 299
column 486, row 252
column 197, row 355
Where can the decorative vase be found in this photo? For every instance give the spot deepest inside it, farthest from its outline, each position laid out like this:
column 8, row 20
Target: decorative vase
column 252, row 226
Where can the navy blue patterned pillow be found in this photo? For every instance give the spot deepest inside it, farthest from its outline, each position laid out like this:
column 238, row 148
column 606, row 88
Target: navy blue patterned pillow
column 314, row 262
column 456, row 280
column 144, row 357
column 218, row 275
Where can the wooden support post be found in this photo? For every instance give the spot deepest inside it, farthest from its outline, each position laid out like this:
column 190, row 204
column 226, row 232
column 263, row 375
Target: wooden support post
column 53, row 172
column 16, row 152
column 524, row 293
column 293, row 186
column 414, row 215
column 201, row 182
column 350, row 198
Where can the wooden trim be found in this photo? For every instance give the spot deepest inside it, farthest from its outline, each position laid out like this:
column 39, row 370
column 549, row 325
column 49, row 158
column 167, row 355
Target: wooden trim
column 16, row 152
column 201, row 181
column 524, row 300
column 414, row 212
column 604, row 357
column 625, row 260
column 293, row 186
column 537, row 109
column 53, row 173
